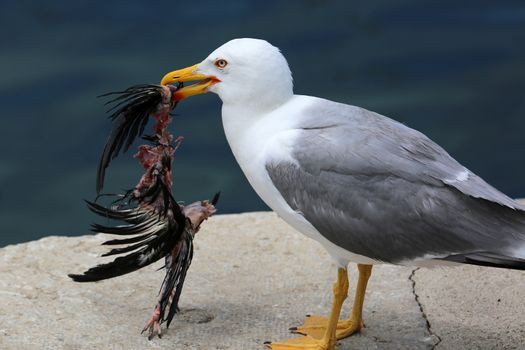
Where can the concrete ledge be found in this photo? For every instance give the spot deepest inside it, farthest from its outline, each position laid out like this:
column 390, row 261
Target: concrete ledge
column 252, row 278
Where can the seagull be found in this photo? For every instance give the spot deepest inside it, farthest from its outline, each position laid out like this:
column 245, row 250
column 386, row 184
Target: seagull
column 371, row 190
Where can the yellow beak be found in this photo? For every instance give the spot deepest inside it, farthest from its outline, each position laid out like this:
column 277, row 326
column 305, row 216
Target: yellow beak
column 188, row 74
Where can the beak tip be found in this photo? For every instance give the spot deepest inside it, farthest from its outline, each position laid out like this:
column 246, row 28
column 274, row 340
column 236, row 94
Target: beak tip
column 166, row 80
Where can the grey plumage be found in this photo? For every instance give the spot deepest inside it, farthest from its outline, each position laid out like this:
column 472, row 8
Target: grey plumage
column 377, row 188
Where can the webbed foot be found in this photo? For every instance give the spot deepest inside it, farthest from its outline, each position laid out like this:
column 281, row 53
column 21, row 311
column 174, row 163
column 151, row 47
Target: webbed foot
column 315, row 327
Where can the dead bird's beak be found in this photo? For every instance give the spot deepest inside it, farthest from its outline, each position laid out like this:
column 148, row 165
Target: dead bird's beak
column 185, row 75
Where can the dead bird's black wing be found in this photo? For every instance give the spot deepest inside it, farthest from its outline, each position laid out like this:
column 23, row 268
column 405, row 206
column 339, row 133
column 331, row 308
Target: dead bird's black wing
column 130, row 112
column 150, row 236
column 177, row 265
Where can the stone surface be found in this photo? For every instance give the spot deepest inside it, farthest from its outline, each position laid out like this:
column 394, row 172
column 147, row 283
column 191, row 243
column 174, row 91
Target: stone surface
column 252, row 278
column 472, row 307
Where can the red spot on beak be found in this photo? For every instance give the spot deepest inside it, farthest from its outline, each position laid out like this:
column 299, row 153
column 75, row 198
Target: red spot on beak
column 177, row 96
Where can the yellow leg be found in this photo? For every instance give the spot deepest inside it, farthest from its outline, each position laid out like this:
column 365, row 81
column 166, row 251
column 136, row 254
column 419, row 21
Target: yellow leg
column 328, row 340
column 315, row 326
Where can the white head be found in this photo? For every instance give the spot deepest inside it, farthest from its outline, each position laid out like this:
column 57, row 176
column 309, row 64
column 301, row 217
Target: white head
column 246, row 72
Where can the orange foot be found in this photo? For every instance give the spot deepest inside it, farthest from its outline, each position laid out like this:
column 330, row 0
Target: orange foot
column 315, row 327
column 303, row 343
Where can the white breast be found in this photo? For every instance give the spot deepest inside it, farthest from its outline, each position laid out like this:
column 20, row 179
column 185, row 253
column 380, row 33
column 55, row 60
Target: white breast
column 257, row 139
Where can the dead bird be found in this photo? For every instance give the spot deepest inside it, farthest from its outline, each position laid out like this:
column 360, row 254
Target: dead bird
column 154, row 225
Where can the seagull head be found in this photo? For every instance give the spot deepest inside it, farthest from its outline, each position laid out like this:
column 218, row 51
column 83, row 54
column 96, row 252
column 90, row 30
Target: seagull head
column 245, row 71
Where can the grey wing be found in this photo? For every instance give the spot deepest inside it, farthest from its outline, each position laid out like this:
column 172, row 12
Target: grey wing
column 380, row 189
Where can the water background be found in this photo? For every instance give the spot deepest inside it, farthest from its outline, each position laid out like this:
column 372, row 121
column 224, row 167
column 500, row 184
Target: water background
column 454, row 70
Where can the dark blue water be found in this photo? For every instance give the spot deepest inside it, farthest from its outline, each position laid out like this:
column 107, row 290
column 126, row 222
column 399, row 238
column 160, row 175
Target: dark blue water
column 452, row 69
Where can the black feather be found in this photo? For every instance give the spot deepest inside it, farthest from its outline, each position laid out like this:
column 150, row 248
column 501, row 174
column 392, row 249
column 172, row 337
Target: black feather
column 177, row 266
column 127, row 240
column 488, row 259
column 131, row 215
column 216, row 198
column 127, row 230
column 156, row 237
column 130, row 113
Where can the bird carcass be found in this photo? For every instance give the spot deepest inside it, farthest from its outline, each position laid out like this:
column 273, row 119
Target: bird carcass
column 153, row 225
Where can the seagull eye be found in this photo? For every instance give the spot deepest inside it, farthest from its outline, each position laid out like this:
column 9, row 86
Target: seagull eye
column 221, row 63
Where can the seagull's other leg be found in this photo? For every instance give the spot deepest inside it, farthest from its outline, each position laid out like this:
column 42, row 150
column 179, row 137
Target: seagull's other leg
column 328, row 340
column 355, row 322
column 315, row 326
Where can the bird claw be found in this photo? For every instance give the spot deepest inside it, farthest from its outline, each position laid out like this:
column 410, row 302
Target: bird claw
column 153, row 325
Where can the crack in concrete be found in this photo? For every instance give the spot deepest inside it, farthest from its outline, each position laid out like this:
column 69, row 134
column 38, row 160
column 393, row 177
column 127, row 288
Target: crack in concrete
column 378, row 340
column 416, row 297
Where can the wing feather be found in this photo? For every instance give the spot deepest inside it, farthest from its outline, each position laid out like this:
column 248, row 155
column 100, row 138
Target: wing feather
column 351, row 140
column 377, row 188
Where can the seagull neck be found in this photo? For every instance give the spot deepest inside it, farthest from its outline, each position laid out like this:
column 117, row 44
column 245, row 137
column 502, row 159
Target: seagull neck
column 249, row 113
column 259, row 100
column 239, row 119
